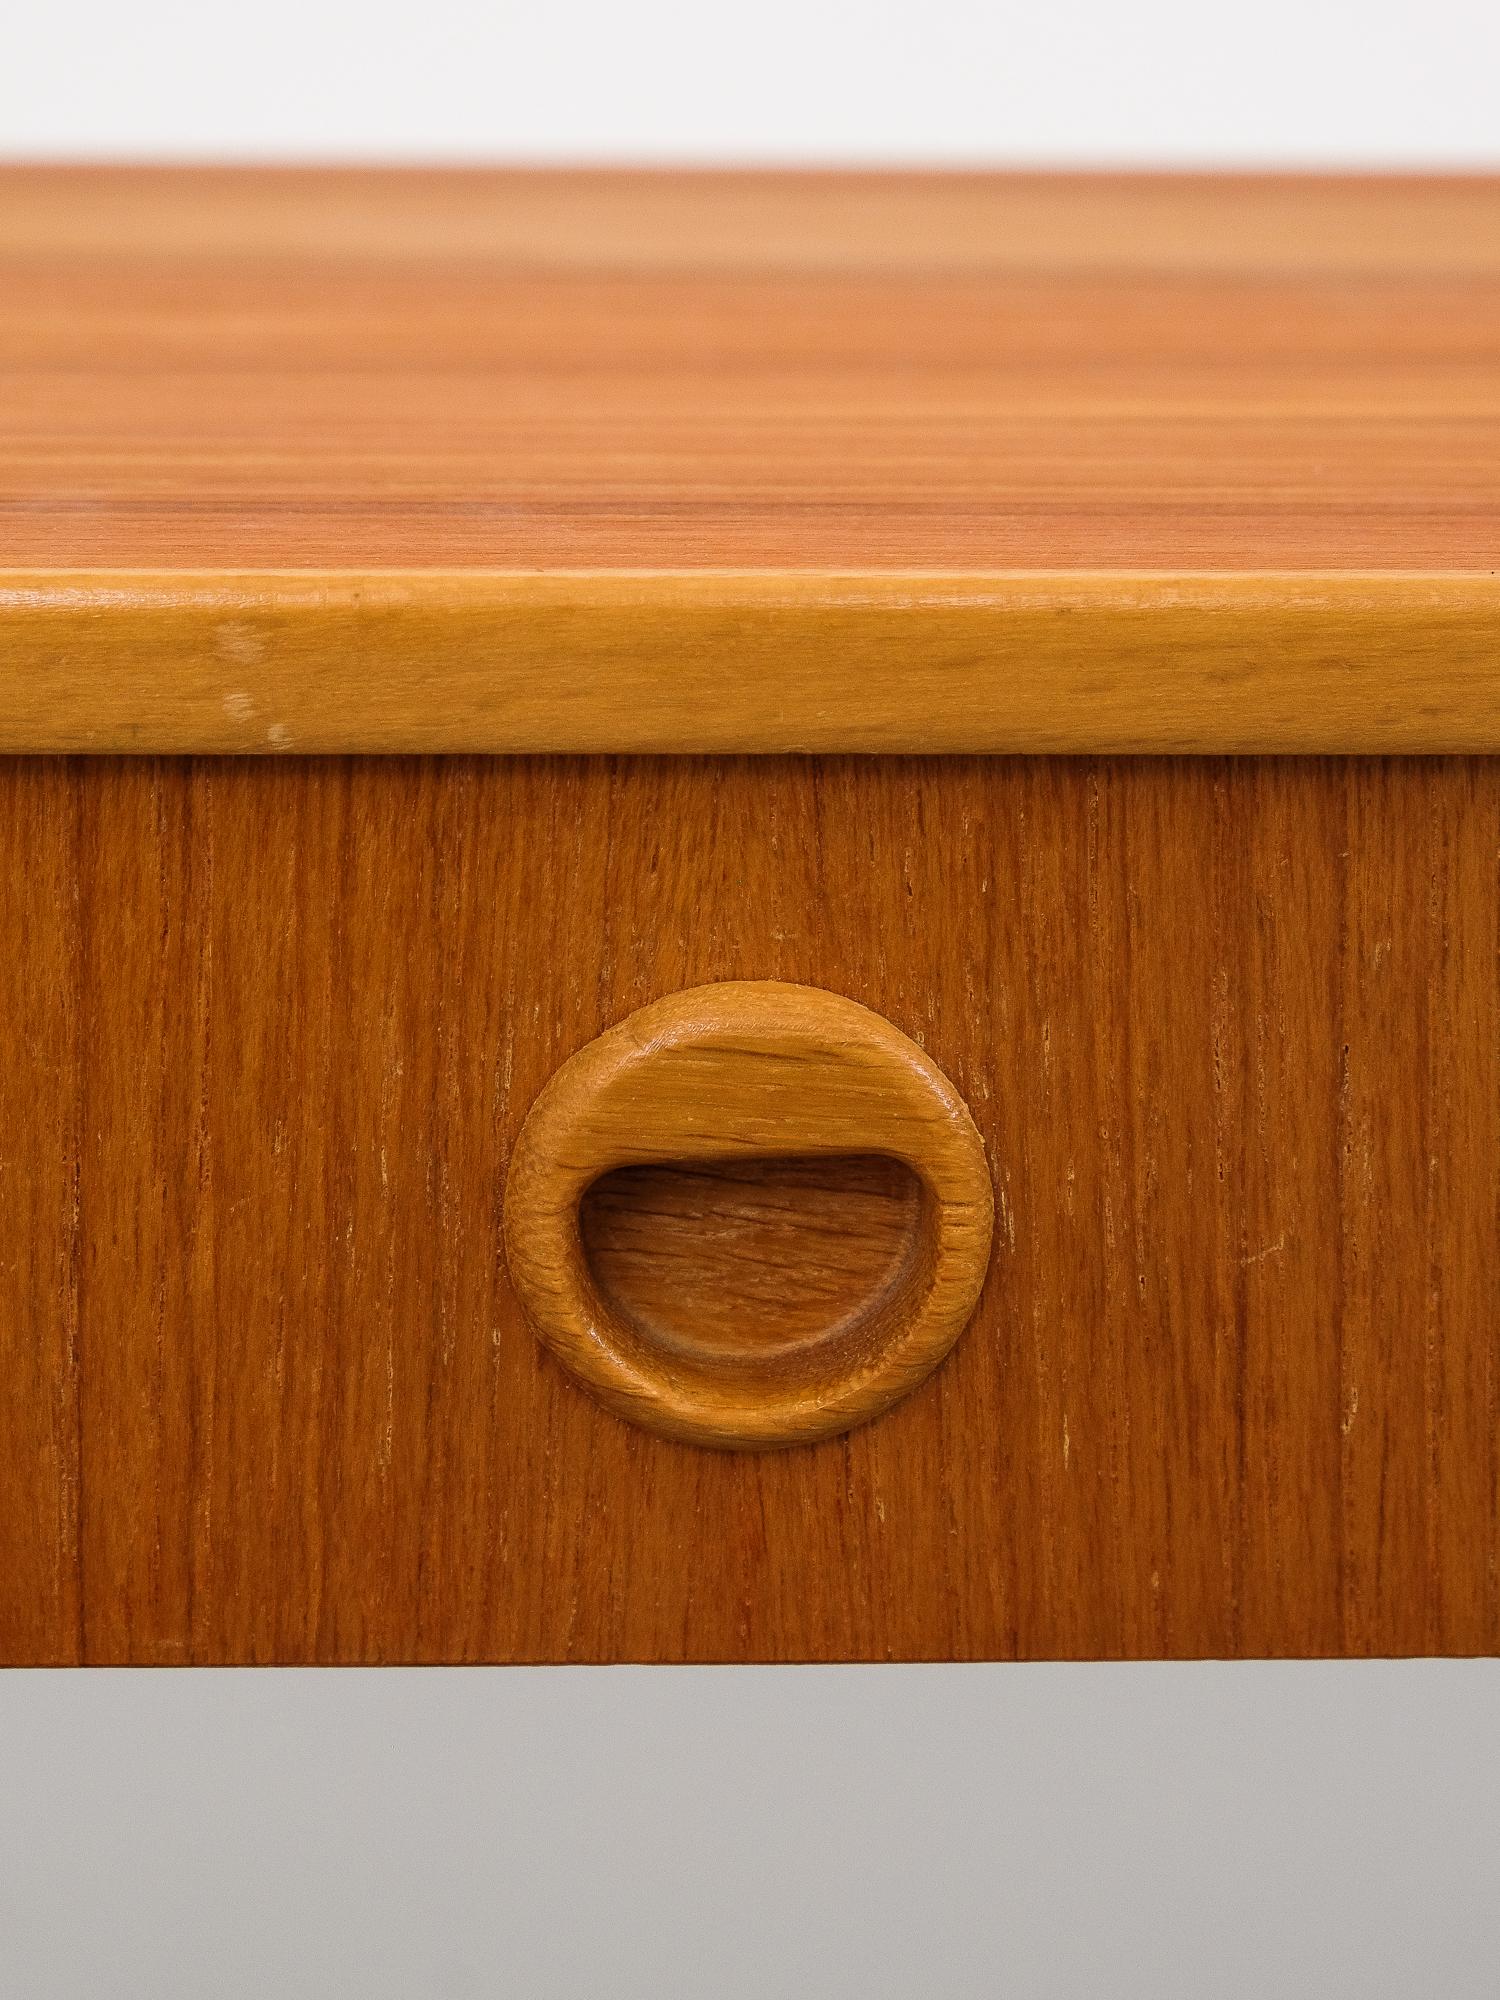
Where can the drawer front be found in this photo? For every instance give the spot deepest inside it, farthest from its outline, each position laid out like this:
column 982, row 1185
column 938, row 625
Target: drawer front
column 1230, row 1032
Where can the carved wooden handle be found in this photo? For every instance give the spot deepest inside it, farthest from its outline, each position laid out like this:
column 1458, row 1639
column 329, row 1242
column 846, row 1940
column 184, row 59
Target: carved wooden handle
column 735, row 1073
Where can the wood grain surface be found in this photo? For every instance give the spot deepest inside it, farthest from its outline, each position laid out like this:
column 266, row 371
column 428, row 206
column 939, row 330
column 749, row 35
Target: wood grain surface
column 734, row 1071
column 220, row 369
column 286, row 663
column 1231, row 1031
column 742, row 1258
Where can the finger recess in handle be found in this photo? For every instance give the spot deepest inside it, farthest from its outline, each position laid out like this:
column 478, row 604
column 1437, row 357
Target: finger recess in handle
column 740, row 1072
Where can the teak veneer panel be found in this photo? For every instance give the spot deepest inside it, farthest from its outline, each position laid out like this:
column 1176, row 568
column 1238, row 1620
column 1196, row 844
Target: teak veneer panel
column 1230, row 1030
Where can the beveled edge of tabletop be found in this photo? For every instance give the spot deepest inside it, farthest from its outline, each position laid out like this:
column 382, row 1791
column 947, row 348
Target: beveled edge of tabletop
column 757, row 661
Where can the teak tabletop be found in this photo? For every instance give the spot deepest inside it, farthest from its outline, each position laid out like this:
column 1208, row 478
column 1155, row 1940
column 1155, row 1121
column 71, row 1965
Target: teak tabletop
column 623, row 460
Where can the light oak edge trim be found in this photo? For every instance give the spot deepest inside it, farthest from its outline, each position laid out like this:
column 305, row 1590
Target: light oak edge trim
column 393, row 661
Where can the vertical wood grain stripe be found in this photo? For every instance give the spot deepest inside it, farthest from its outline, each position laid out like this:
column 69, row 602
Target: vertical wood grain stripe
column 469, row 660
column 42, row 1078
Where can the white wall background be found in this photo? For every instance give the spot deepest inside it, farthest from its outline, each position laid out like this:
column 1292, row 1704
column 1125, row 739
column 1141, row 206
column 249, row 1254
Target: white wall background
column 1346, row 81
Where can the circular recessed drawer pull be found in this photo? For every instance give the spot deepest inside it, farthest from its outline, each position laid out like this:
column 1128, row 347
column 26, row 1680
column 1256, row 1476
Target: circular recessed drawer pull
column 728, row 1083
